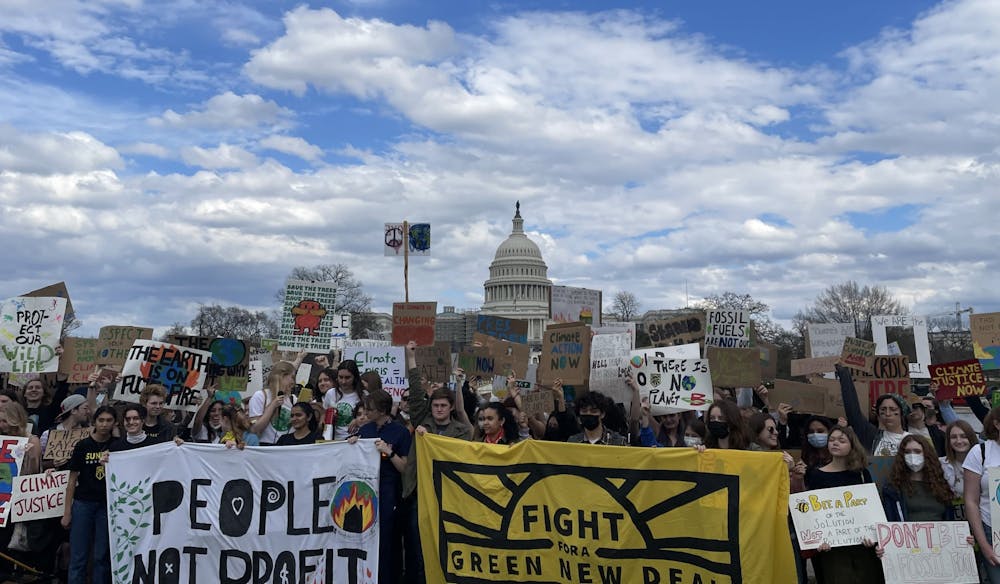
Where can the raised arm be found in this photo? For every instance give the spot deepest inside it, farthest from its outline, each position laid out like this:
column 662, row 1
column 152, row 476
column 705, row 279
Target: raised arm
column 852, row 409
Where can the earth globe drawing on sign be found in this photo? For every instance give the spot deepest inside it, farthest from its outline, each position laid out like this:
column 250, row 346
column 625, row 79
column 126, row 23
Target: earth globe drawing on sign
column 688, row 383
column 228, row 352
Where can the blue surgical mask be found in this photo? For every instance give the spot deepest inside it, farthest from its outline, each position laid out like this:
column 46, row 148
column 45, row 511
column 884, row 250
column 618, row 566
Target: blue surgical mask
column 818, row 440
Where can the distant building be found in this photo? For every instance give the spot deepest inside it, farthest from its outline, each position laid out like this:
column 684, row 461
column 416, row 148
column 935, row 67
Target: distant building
column 518, row 286
column 455, row 327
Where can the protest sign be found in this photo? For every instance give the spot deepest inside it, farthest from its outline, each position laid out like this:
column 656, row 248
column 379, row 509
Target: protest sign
column 803, row 397
column 727, row 328
column 307, row 316
column 11, row 455
column 880, row 467
column 341, row 331
column 609, row 355
column 768, row 360
column 537, row 401
column 931, row 552
column 560, row 512
column 565, row 354
column 434, row 361
column 839, row 516
column 672, row 384
column 959, row 379
column 79, row 358
column 258, row 370
column 835, row 398
column 413, row 321
column 114, row 343
column 858, row 354
column 29, row 334
column 827, row 339
column 57, row 290
column 496, row 357
column 681, row 330
column 814, row 365
column 182, row 371
column 918, row 324
column 569, row 304
column 734, row 367
column 417, row 237
column 388, row 362
column 229, row 368
column 304, row 513
column 61, row 443
column 890, row 374
column 688, row 351
column 985, row 329
column 614, row 328
column 507, row 329
column 39, row 496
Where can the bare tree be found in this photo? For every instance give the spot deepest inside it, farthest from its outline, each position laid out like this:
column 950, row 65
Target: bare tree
column 233, row 322
column 351, row 297
column 849, row 302
column 176, row 329
column 625, row 306
column 759, row 312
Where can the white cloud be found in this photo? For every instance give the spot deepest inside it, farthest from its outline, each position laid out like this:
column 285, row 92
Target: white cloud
column 222, row 156
column 145, row 149
column 229, row 111
column 292, row 145
column 47, row 153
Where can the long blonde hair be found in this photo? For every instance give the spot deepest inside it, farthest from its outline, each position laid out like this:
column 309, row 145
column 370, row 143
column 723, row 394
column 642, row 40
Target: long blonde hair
column 280, row 369
column 17, row 418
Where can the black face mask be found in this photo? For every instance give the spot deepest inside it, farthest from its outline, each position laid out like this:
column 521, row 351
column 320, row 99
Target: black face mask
column 719, row 429
column 590, row 421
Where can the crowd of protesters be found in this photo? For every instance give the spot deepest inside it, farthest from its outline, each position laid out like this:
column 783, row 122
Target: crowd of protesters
column 938, row 474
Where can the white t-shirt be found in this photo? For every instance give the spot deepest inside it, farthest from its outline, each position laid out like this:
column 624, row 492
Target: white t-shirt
column 888, row 445
column 974, row 462
column 281, row 421
column 345, row 410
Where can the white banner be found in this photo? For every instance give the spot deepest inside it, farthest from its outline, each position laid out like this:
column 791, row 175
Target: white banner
column 29, row 334
column 181, row 370
column 671, row 384
column 207, row 514
column 927, row 553
column 839, row 516
column 39, row 496
column 388, row 362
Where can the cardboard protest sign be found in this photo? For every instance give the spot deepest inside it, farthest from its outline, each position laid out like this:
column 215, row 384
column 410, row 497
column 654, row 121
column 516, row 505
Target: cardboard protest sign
column 29, row 334
column 434, row 362
column 768, row 360
column 858, row 354
column 959, row 379
column 880, row 468
column 569, row 304
column 388, row 362
column 114, row 343
column 79, row 358
column 609, row 355
column 307, row 512
column 501, row 357
column 57, row 290
column 39, row 496
column 735, row 504
column 803, row 397
column 507, row 329
column 229, row 368
column 565, row 354
column 835, row 398
column 61, row 443
column 417, row 238
column 890, row 374
column 182, row 371
column 734, row 367
column 918, row 324
column 839, row 516
column 985, row 329
column 931, row 552
column 814, row 365
column 307, row 316
column 671, row 385
column 827, row 339
column 11, row 455
column 538, row 401
column 413, row 321
column 727, row 328
column 689, row 328
column 341, row 331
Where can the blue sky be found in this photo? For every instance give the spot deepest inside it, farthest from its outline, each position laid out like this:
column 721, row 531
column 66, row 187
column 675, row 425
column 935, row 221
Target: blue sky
column 157, row 155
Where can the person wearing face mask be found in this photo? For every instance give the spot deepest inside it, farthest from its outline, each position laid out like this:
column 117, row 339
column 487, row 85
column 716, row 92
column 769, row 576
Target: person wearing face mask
column 727, row 427
column 134, row 436
column 916, row 489
column 814, row 450
column 590, row 409
column 694, row 433
column 561, row 423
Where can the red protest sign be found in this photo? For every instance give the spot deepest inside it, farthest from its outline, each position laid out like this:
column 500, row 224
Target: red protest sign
column 958, row 379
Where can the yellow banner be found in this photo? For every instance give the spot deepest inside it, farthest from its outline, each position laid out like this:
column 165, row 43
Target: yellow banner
column 554, row 512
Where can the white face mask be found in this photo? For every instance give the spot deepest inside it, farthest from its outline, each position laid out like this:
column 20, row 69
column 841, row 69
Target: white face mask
column 914, row 461
column 692, row 441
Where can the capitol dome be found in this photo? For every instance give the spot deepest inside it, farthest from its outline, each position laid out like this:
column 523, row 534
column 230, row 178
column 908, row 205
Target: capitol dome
column 518, row 286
